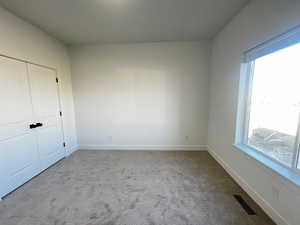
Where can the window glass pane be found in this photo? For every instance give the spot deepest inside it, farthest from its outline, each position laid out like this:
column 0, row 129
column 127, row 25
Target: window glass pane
column 275, row 101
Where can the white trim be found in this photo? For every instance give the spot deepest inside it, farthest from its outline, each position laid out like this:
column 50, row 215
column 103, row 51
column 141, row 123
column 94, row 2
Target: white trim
column 271, row 164
column 59, row 96
column 297, row 149
column 287, row 39
column 248, row 103
column 145, row 147
column 250, row 190
column 242, row 100
column 72, row 150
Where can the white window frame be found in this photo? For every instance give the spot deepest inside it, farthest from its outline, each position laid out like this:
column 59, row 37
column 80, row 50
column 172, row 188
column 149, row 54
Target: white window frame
column 287, row 39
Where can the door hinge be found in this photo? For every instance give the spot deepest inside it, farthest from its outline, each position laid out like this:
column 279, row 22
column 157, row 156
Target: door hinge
column 56, row 80
column 60, row 113
column 64, row 144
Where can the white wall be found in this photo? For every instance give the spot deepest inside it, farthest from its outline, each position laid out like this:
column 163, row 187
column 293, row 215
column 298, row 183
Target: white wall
column 141, row 96
column 257, row 22
column 24, row 41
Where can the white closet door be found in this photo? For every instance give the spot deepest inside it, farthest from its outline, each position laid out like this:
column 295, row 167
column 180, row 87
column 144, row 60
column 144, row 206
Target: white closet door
column 44, row 92
column 18, row 144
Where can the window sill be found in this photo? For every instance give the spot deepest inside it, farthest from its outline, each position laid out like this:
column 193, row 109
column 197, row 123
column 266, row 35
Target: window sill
column 281, row 170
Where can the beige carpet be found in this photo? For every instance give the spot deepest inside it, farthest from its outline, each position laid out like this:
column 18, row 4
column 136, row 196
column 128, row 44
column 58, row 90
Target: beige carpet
column 130, row 188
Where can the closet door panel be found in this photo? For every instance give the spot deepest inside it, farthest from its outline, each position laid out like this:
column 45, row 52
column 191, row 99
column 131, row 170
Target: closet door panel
column 20, row 162
column 45, row 101
column 50, row 145
column 18, row 144
column 44, row 91
column 14, row 92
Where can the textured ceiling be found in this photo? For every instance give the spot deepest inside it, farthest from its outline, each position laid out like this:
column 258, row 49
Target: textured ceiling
column 119, row 21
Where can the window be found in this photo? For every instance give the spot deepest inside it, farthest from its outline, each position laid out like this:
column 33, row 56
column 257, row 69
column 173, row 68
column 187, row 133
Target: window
column 269, row 106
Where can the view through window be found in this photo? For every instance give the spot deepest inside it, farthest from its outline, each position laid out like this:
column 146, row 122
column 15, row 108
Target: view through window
column 274, row 106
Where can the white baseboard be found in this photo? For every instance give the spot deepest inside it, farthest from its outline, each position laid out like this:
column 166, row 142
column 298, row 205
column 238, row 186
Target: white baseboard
column 146, row 147
column 72, row 150
column 272, row 213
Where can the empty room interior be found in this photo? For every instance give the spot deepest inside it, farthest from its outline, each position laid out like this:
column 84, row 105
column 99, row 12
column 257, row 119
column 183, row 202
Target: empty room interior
column 150, row 112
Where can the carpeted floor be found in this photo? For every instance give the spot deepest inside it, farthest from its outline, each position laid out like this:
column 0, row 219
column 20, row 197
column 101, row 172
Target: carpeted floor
column 130, row 188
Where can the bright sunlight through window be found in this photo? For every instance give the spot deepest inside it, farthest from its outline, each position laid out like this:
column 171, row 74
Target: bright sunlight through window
column 269, row 107
column 275, row 104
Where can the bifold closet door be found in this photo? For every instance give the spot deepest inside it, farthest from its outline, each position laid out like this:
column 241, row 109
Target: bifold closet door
column 18, row 144
column 45, row 101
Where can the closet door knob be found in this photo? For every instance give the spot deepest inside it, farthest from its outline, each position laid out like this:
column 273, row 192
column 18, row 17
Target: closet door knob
column 32, row 126
column 38, row 125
